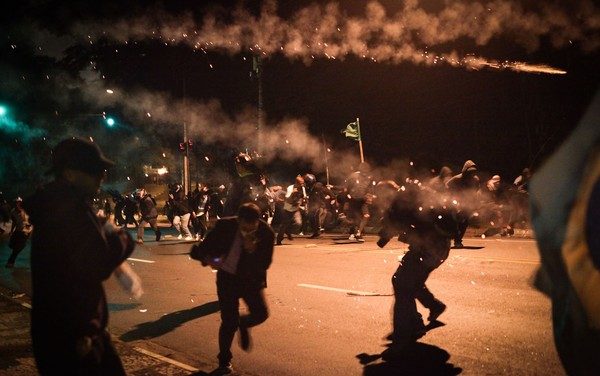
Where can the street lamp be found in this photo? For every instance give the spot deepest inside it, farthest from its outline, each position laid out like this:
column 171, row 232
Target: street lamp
column 110, row 122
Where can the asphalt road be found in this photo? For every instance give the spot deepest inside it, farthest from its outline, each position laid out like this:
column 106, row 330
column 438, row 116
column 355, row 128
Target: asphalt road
column 496, row 323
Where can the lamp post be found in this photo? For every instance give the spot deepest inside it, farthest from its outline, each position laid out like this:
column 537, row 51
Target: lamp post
column 257, row 68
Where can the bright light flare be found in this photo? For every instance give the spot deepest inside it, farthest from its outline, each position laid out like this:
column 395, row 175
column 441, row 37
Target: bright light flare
column 161, row 171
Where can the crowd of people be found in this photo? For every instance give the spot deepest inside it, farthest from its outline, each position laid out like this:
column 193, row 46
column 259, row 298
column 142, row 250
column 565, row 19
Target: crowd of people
column 306, row 207
column 235, row 231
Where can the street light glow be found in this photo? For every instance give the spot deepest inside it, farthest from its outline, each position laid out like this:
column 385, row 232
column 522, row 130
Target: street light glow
column 161, row 171
column 2, row 111
column 110, row 122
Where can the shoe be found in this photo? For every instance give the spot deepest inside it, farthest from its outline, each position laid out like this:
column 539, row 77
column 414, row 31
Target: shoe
column 382, row 242
column 359, row 239
column 244, row 338
column 224, row 369
column 458, row 245
column 289, row 236
column 140, row 241
column 352, row 237
column 189, row 238
column 435, row 312
column 158, row 235
column 278, row 243
column 180, row 236
column 301, row 233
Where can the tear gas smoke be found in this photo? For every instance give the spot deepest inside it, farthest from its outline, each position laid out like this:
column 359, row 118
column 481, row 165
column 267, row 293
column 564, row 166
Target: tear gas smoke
column 326, row 31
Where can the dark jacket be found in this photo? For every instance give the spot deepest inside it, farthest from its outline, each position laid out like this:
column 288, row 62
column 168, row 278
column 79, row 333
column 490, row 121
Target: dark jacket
column 251, row 266
column 179, row 203
column 71, row 254
column 148, row 207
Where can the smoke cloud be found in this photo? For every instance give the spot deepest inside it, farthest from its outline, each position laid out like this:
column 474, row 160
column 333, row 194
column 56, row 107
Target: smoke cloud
column 409, row 35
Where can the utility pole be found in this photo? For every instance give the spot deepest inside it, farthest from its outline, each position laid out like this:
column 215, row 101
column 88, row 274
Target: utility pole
column 186, row 159
column 257, row 69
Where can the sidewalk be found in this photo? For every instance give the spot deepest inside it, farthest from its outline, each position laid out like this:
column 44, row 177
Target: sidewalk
column 16, row 357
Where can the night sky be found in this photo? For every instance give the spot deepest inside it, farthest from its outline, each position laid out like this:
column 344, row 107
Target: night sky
column 432, row 114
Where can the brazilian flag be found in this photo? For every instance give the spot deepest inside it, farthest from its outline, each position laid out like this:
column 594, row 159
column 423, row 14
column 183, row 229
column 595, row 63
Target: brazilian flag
column 352, row 131
column 565, row 214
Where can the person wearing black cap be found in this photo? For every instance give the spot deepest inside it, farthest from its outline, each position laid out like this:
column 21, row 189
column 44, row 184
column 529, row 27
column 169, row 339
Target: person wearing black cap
column 72, row 252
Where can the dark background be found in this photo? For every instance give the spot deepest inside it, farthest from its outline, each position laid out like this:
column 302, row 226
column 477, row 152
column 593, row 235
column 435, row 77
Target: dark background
column 439, row 115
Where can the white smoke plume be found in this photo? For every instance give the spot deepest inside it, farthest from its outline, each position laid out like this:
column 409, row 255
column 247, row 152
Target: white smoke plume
column 326, row 31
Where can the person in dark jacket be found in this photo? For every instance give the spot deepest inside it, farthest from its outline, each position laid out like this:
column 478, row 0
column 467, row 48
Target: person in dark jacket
column 248, row 184
column 72, row 253
column 241, row 248
column 464, row 187
column 148, row 213
column 424, row 222
column 181, row 212
column 319, row 197
column 360, row 198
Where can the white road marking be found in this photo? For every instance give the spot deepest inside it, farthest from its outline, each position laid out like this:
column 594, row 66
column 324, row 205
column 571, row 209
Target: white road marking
column 141, row 260
column 353, row 292
column 165, row 359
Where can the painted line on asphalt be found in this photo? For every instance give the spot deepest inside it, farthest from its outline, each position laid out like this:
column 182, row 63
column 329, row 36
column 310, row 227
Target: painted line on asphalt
column 515, row 261
column 165, row 359
column 319, row 287
column 141, row 260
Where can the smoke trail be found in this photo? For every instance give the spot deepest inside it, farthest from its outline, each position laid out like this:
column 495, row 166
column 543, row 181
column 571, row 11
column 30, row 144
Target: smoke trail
column 325, row 31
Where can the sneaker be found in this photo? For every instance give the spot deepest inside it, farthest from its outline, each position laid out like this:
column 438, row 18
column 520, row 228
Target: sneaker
column 224, row 369
column 180, row 237
column 382, row 242
column 188, row 238
column 435, row 312
column 140, row 241
column 158, row 234
column 244, row 338
column 301, row 233
column 352, row 237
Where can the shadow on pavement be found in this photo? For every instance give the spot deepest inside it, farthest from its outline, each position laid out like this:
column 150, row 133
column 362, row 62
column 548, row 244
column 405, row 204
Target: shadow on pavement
column 469, row 247
column 167, row 323
column 417, row 359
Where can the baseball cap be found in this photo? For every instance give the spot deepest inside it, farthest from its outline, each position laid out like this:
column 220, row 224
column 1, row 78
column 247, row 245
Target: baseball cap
column 79, row 154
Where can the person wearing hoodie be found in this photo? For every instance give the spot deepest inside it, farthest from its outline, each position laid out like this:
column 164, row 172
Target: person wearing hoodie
column 438, row 182
column 463, row 188
column 148, row 215
column 181, row 212
column 72, row 253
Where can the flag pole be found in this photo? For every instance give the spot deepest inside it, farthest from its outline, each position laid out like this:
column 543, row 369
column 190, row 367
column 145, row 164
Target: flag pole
column 362, row 157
